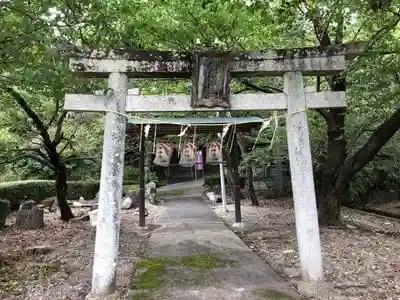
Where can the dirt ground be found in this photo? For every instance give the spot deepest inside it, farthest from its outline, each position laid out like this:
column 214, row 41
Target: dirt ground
column 360, row 263
column 63, row 268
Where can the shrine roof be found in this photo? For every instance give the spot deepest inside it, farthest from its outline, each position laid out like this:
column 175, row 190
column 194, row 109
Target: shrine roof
column 173, row 126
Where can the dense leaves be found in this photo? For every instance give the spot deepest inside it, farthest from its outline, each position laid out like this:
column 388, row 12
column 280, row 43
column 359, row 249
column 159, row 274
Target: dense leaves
column 37, row 36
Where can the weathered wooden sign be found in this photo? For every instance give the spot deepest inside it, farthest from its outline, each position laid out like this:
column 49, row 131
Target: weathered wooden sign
column 210, row 81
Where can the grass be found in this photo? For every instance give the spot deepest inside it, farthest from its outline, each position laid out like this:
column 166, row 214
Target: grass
column 134, row 187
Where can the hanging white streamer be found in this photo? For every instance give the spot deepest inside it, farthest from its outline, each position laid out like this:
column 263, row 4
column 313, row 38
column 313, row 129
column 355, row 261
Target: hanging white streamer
column 264, row 125
column 276, row 121
column 180, row 141
column 183, row 132
column 155, row 135
column 225, row 131
column 146, row 130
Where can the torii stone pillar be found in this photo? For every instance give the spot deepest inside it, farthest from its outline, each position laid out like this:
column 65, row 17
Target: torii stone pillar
column 111, row 185
column 301, row 171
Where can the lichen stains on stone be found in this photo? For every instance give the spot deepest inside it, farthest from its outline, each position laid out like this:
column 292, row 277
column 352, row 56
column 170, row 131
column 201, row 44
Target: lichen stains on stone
column 266, row 54
column 271, row 294
column 78, row 67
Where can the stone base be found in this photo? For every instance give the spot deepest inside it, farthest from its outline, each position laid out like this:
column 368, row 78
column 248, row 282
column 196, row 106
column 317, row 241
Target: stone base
column 114, row 296
column 240, row 226
column 318, row 291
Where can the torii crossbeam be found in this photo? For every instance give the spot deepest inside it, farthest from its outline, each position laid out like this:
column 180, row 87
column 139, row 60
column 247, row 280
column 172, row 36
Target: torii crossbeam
column 292, row 64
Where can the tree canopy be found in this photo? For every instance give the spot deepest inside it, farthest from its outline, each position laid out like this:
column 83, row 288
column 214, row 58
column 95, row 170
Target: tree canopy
column 36, row 38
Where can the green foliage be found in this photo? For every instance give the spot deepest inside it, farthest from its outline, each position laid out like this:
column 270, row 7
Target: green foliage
column 131, row 173
column 39, row 190
column 212, row 180
column 151, row 176
column 4, row 211
column 36, row 37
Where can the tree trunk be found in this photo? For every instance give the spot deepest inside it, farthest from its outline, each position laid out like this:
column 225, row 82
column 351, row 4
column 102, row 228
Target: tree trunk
column 249, row 173
column 62, row 192
column 330, row 210
column 329, row 207
column 336, row 155
column 233, row 168
column 250, row 186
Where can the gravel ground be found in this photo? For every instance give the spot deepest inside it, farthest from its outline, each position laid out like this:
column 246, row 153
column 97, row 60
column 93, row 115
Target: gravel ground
column 65, row 272
column 358, row 260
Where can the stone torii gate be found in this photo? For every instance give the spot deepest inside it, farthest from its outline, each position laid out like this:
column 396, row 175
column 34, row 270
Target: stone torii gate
column 211, row 73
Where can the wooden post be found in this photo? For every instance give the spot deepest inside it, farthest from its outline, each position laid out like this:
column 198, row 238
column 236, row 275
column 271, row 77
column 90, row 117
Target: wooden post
column 142, row 217
column 111, row 180
column 302, row 180
column 235, row 178
column 223, row 188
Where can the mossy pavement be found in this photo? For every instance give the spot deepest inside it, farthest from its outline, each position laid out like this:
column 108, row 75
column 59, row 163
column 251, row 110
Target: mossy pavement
column 193, row 255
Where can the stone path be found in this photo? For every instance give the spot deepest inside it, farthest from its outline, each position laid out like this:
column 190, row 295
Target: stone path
column 193, row 255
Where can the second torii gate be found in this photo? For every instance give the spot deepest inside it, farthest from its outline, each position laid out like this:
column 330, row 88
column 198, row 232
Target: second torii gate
column 210, row 93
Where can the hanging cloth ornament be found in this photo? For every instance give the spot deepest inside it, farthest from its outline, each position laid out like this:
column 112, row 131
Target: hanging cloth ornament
column 188, row 154
column 214, row 153
column 163, row 153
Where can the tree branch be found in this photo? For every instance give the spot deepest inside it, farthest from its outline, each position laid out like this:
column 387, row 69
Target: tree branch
column 355, row 139
column 54, row 117
column 69, row 159
column 68, row 141
column 35, row 150
column 40, row 160
column 381, row 32
column 264, row 89
column 32, row 114
column 58, row 135
column 365, row 154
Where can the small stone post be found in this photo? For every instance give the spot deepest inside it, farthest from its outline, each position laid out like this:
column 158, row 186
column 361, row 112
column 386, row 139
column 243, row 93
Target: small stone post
column 302, row 180
column 142, row 217
column 223, row 187
column 111, row 181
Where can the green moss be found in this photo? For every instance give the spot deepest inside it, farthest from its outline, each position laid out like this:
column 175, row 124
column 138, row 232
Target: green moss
column 151, row 273
column 203, row 261
column 269, row 294
column 143, row 296
column 171, row 193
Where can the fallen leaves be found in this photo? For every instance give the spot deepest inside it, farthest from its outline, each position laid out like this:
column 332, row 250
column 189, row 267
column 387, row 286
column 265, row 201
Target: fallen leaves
column 55, row 262
column 361, row 262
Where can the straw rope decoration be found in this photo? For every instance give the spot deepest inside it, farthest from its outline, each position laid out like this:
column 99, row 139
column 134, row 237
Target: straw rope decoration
column 141, row 137
column 180, row 140
column 155, row 136
column 265, row 124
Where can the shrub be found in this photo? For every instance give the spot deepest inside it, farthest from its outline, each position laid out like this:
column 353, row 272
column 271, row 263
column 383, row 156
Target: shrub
column 215, row 180
column 17, row 191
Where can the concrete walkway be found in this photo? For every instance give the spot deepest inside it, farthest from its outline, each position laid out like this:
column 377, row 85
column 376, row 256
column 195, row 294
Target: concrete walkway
column 193, row 255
